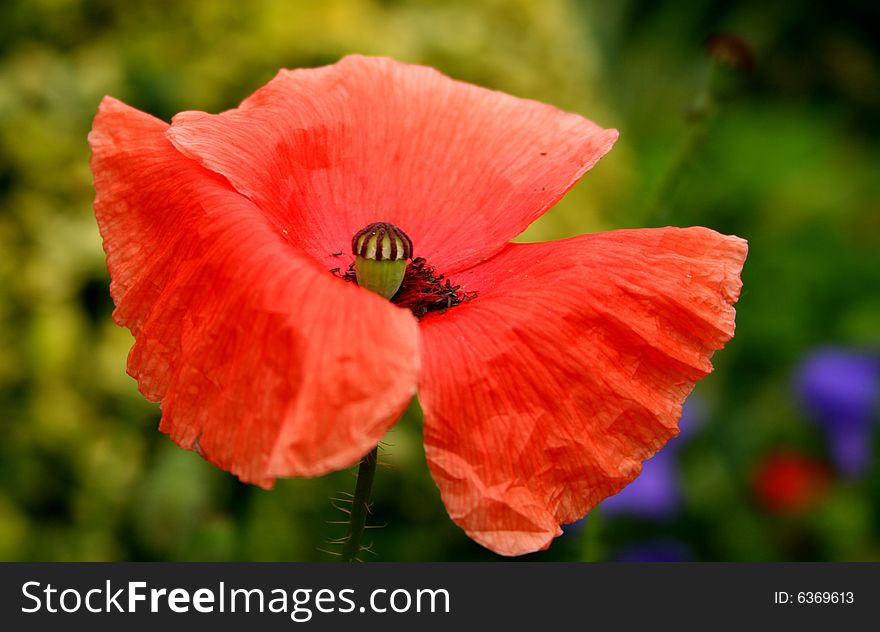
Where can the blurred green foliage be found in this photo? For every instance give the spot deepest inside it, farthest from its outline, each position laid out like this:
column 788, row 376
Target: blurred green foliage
column 785, row 155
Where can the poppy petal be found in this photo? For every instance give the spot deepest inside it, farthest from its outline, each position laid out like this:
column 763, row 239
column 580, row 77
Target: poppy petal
column 265, row 363
column 544, row 394
column 326, row 151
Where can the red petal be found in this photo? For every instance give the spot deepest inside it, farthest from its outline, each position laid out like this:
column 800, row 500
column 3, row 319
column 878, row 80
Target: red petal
column 264, row 362
column 461, row 169
column 544, row 394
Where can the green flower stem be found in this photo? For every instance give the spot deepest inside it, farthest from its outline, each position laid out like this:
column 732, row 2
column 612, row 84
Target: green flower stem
column 381, row 251
column 700, row 114
column 591, row 537
column 360, row 506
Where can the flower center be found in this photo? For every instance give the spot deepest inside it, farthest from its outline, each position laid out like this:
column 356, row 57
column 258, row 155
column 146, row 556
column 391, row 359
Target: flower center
column 381, row 251
column 424, row 290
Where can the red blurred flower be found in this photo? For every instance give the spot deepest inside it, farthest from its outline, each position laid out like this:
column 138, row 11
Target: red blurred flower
column 731, row 51
column 541, row 396
column 788, row 482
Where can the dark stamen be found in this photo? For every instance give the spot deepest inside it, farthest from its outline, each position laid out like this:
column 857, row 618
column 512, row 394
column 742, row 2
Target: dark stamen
column 423, row 290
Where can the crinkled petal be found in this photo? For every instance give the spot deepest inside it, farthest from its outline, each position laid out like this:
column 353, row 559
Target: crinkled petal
column 544, row 394
column 461, row 169
column 264, row 362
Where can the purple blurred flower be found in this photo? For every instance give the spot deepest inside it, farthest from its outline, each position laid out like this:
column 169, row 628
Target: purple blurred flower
column 666, row 550
column 656, row 493
column 693, row 414
column 841, row 390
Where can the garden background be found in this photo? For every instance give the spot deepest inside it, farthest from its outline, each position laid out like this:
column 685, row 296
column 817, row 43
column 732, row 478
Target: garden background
column 770, row 132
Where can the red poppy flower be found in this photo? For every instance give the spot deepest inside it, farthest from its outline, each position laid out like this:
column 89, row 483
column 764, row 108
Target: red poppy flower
column 550, row 373
column 788, row 482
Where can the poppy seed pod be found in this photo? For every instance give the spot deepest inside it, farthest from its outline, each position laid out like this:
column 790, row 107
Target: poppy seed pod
column 381, row 251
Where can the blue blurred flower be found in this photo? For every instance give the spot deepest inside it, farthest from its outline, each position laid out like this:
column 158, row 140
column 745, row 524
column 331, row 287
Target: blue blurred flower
column 841, row 390
column 667, row 550
column 656, row 493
